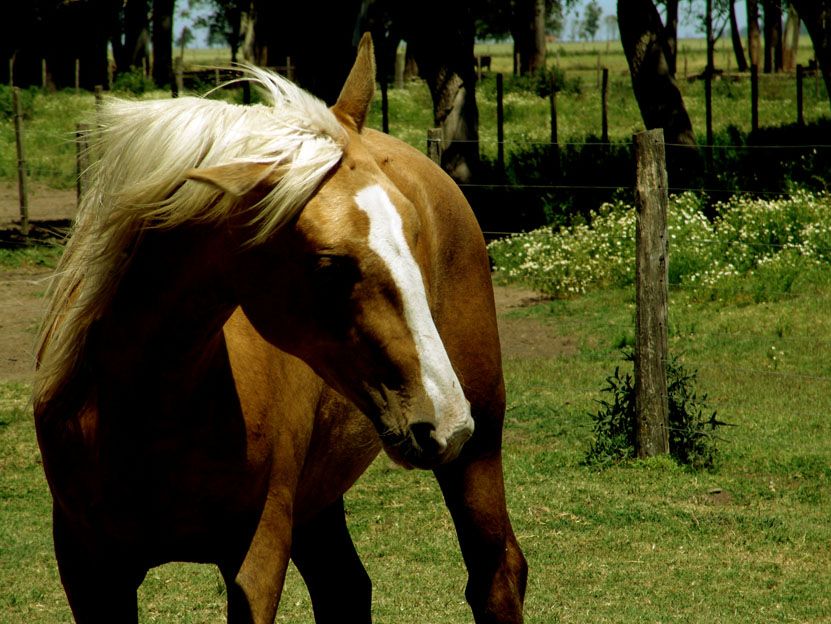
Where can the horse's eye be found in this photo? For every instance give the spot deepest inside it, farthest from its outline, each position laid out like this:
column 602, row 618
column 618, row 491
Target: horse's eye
column 333, row 269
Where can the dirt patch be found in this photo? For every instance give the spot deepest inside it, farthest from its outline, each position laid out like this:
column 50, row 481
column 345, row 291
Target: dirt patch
column 527, row 337
column 45, row 204
column 22, row 306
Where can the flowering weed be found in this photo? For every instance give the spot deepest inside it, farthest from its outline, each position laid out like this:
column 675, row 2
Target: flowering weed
column 753, row 248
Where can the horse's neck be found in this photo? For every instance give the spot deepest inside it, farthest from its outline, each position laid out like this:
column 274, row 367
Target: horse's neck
column 166, row 318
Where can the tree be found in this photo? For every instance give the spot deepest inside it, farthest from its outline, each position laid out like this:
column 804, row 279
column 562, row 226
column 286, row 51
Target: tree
column 790, row 39
column 671, row 35
column 736, row 37
column 320, row 41
column 527, row 21
column 163, row 41
column 754, row 36
column 590, row 23
column 816, row 14
column 225, row 22
column 773, row 35
column 528, row 18
column 443, row 50
column 658, row 96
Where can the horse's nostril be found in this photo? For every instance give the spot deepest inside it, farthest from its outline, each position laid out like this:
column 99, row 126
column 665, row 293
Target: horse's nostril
column 424, row 435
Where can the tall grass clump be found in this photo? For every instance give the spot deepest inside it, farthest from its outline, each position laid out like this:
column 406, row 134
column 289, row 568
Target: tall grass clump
column 692, row 425
column 752, row 249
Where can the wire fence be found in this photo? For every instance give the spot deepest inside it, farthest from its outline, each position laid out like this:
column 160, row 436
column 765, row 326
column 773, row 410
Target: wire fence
column 58, row 162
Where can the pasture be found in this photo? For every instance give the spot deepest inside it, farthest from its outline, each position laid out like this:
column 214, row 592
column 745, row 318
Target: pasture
column 647, row 541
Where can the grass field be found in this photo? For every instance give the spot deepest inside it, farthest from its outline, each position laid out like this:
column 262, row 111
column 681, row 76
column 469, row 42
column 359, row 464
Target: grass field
column 642, row 542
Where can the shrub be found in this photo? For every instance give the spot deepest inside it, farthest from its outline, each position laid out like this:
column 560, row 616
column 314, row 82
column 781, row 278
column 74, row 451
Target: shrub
column 692, row 441
column 765, row 245
column 133, row 81
column 27, row 102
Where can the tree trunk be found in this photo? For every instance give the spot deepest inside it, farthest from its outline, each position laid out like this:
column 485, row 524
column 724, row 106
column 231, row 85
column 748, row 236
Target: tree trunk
column 790, row 40
column 658, row 96
column 735, row 35
column 320, row 41
column 75, row 33
column 773, row 36
column 817, row 17
column 528, row 31
column 136, row 35
column 443, row 50
column 671, row 31
column 754, row 37
column 163, row 41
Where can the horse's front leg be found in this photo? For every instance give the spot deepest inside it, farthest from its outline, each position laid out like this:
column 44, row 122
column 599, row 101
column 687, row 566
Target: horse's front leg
column 100, row 583
column 473, row 489
column 256, row 582
column 338, row 584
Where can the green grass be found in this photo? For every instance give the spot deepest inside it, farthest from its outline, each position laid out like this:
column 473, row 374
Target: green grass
column 30, row 257
column 640, row 542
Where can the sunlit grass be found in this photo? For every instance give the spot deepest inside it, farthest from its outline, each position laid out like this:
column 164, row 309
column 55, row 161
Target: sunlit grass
column 640, row 542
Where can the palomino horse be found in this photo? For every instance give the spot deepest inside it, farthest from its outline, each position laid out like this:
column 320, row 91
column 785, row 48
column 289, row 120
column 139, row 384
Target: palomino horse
column 254, row 302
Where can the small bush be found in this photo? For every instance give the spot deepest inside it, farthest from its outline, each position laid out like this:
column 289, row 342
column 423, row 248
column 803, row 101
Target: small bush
column 133, row 81
column 27, row 102
column 692, row 440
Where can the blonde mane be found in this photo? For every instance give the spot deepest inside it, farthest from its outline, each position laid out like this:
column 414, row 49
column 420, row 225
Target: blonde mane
column 144, row 150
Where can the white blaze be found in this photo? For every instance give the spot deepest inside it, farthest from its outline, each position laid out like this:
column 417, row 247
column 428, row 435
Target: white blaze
column 439, row 381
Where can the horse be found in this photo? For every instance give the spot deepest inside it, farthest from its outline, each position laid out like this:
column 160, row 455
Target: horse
column 253, row 302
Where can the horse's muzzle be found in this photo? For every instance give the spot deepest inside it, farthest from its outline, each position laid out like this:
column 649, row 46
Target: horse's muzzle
column 424, row 447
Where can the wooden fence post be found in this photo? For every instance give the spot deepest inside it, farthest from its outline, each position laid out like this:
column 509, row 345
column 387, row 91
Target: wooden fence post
column 81, row 159
column 800, row 116
column 385, row 107
column 604, row 103
column 500, row 123
column 754, row 97
column 22, row 189
column 434, row 144
column 651, row 404
column 708, row 104
column 77, row 76
column 552, row 99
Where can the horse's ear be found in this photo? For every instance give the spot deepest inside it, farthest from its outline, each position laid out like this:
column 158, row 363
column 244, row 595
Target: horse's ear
column 356, row 96
column 236, row 179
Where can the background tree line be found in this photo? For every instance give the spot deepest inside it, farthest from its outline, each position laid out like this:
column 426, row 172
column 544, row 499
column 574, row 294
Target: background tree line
column 320, row 38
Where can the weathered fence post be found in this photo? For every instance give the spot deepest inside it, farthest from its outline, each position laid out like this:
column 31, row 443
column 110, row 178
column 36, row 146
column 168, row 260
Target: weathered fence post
column 289, row 69
column 81, row 159
column 434, row 144
column 555, row 141
column 385, row 107
column 400, row 59
column 708, row 105
column 754, row 97
column 500, row 123
column 23, row 191
column 651, row 406
column 179, row 76
column 800, row 116
column 99, row 97
column 604, row 95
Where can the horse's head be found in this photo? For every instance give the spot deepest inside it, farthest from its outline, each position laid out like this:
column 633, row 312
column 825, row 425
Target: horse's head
column 340, row 287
